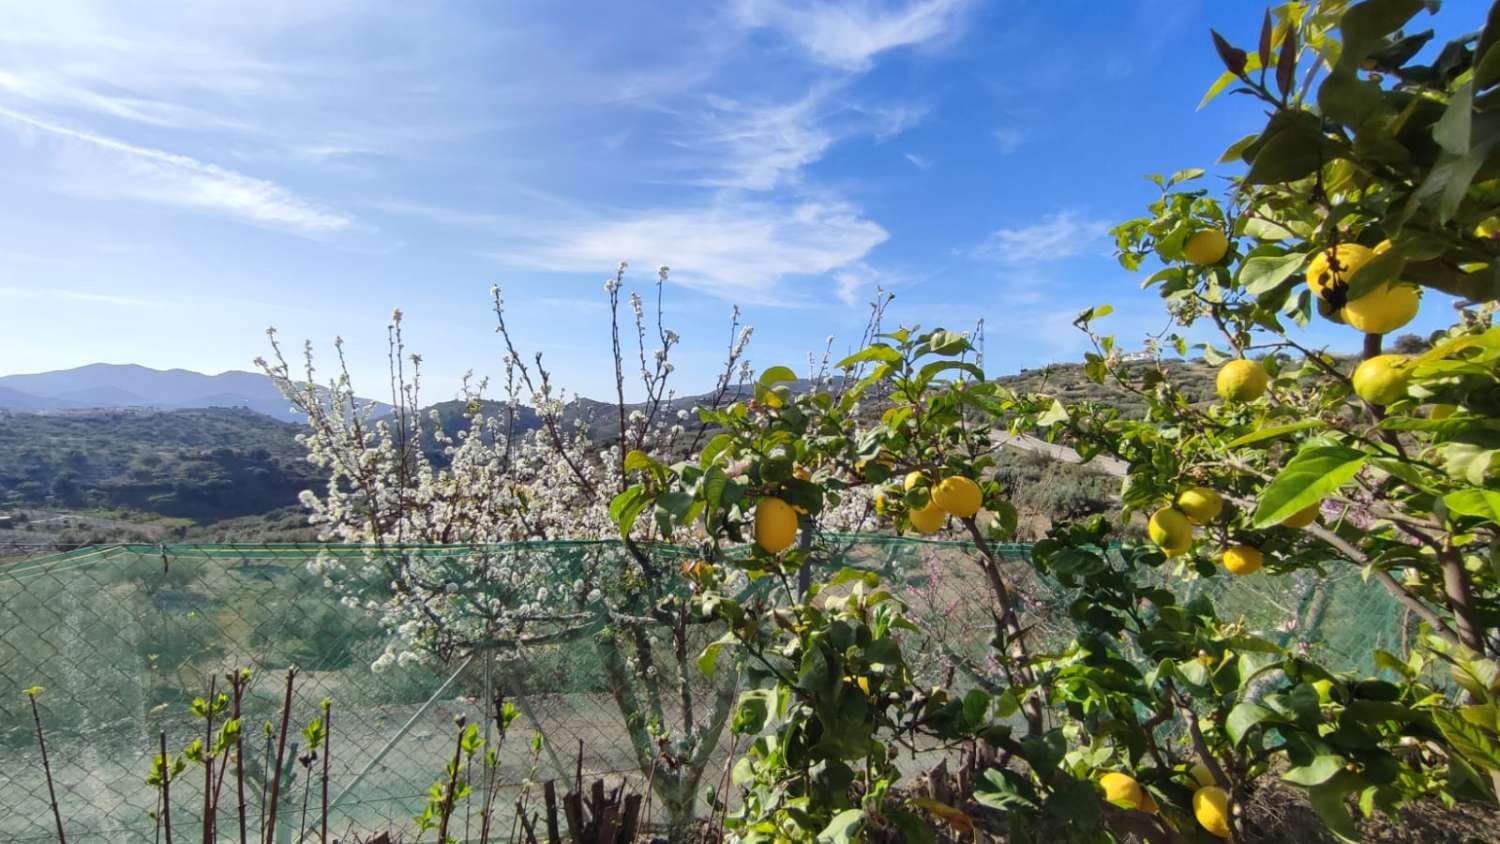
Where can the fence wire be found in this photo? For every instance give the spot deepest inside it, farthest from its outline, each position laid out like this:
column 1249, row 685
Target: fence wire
column 122, row 638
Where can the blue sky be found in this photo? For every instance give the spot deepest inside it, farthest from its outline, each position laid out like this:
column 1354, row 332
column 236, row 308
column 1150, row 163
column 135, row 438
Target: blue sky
column 180, row 176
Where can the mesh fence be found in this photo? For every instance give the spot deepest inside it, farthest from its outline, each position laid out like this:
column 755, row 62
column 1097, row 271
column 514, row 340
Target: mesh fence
column 122, row 638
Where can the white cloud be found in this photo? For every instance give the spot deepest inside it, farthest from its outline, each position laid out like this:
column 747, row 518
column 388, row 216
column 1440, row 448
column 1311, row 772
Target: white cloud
column 738, row 250
column 1009, row 139
column 134, row 172
column 847, row 35
column 1059, row 235
column 766, row 146
column 79, row 296
column 920, row 162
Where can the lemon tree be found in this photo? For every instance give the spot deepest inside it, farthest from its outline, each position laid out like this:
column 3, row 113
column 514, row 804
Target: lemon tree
column 1374, row 181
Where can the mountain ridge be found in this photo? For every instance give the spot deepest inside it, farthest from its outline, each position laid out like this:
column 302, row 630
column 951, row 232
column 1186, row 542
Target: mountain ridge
column 114, row 386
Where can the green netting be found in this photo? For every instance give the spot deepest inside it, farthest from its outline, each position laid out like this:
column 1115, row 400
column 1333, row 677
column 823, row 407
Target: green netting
column 123, row 637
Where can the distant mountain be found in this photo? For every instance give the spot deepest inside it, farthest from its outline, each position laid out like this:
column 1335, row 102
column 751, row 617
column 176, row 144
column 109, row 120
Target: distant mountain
column 111, row 386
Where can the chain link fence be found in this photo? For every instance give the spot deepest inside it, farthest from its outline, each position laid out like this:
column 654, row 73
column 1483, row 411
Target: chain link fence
column 122, row 638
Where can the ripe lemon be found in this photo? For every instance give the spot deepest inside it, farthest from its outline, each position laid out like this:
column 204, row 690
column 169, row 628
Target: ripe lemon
column 1242, row 559
column 958, row 495
column 1382, row 379
column 880, row 503
column 1122, row 790
column 1489, row 227
column 1206, row 247
column 1171, row 530
column 1331, row 269
column 927, row 519
column 1211, row 808
column 1201, row 774
column 775, row 525
column 1241, row 380
column 1384, row 309
column 1201, row 504
column 1304, row 517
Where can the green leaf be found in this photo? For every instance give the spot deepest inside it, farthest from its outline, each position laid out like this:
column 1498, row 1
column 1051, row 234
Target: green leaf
column 1274, row 432
column 626, row 507
column 776, row 375
column 708, row 661
column 1364, row 26
column 932, row 369
column 1484, row 503
column 1328, row 800
column 1318, row 771
column 1266, row 273
column 1055, row 414
column 878, row 352
column 1243, row 717
column 843, row 827
column 1454, row 129
column 1316, row 470
column 751, row 713
column 1475, row 744
column 1292, row 147
column 639, row 461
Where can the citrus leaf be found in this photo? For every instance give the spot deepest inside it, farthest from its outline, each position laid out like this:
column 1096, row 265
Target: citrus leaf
column 1484, row 503
column 1272, row 433
column 1306, row 479
column 1477, row 746
column 1328, row 800
column 1267, row 272
column 879, row 351
column 1320, row 770
column 776, row 375
column 1243, row 717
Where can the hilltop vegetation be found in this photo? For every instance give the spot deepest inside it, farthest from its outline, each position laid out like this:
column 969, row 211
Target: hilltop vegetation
column 222, row 474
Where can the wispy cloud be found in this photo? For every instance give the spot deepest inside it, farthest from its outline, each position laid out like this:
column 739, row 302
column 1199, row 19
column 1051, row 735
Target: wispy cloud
column 79, row 296
column 1057, row 236
column 740, row 250
column 760, row 147
column 849, row 34
column 1008, row 139
column 141, row 173
column 919, row 161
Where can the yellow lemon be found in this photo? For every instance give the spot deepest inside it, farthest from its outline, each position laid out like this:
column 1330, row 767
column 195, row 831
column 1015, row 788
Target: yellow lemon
column 1331, row 269
column 1384, row 309
column 1211, row 808
column 1489, row 227
column 1149, row 804
column 912, row 479
column 1201, row 774
column 958, row 495
column 775, row 525
column 1201, row 504
column 1206, row 247
column 1241, row 380
column 1382, row 379
column 1171, row 530
column 1122, row 790
column 1304, row 517
column 880, row 503
column 1242, row 559
column 927, row 519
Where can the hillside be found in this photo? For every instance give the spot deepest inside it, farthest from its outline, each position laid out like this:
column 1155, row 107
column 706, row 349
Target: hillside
column 223, row 474
column 202, row 465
